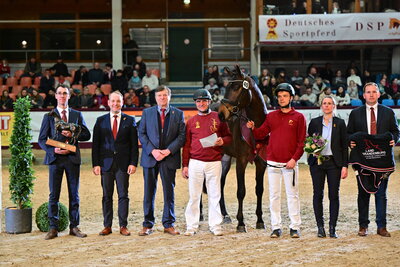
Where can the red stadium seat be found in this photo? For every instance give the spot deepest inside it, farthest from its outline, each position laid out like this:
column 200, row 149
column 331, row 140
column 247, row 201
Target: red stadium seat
column 3, row 88
column 106, row 89
column 18, row 73
column 16, row 89
column 92, row 88
column 156, row 72
column 26, row 81
column 1, row 81
column 13, row 96
column 11, row 81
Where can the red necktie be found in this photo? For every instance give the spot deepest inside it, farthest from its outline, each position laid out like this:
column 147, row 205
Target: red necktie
column 115, row 127
column 373, row 122
column 64, row 115
column 162, row 117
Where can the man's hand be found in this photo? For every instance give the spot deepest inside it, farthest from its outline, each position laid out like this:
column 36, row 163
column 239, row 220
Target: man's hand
column 66, row 133
column 61, row 151
column 131, row 169
column 219, row 142
column 344, row 173
column 157, row 154
column 165, row 152
column 392, row 143
column 250, row 125
column 352, row 144
column 96, row 170
column 185, row 172
column 290, row 164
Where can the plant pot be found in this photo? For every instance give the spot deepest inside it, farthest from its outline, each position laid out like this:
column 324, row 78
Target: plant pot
column 18, row 220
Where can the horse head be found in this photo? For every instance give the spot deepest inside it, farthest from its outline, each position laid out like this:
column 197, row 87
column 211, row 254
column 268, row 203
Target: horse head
column 242, row 97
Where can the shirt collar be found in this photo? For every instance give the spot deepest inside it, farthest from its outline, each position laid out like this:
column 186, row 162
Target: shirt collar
column 374, row 106
column 60, row 110
column 166, row 109
column 118, row 114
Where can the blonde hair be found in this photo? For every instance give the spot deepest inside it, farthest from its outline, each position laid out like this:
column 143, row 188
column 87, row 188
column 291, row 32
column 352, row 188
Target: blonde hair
column 333, row 100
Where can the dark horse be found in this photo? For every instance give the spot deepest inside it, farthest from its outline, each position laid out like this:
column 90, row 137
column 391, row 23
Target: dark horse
column 243, row 101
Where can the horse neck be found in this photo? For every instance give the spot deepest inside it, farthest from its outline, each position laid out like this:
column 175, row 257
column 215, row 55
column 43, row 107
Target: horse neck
column 257, row 109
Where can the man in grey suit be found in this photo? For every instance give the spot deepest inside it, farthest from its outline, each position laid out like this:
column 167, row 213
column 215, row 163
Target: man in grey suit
column 373, row 118
column 162, row 134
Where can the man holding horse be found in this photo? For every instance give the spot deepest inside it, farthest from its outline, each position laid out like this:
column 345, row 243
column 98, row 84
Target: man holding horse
column 203, row 162
column 62, row 160
column 287, row 131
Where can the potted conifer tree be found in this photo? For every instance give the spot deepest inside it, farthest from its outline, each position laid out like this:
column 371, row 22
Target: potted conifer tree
column 19, row 218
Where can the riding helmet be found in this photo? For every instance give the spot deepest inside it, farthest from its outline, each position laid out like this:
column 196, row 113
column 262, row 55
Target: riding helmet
column 201, row 94
column 285, row 87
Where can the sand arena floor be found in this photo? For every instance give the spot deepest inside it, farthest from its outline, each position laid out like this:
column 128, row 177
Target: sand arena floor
column 254, row 248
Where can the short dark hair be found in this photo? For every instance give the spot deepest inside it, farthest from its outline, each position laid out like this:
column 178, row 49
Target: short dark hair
column 162, row 88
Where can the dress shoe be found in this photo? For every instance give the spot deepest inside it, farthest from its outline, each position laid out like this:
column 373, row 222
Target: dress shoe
column 383, row 232
column 332, row 232
column 146, row 231
column 53, row 233
column 321, row 232
column 124, row 231
column 294, row 233
column 106, row 231
column 276, row 233
column 171, row 231
column 363, row 231
column 77, row 232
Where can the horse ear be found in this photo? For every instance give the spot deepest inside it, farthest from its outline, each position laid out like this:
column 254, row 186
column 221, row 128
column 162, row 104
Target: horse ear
column 238, row 70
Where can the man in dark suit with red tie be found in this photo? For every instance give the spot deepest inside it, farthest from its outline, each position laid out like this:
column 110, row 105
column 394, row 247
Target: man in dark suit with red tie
column 115, row 156
column 373, row 118
column 162, row 134
column 62, row 160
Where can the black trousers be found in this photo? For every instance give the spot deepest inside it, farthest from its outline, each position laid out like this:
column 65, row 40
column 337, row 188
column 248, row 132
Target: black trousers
column 121, row 178
column 329, row 170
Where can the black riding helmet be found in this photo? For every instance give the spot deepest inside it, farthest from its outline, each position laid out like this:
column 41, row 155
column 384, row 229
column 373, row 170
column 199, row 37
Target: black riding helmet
column 201, row 94
column 285, row 87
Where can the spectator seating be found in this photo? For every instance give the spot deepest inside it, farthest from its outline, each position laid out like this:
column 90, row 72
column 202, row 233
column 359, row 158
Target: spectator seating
column 70, row 79
column 77, row 86
column 388, row 102
column 13, row 96
column 18, row 73
column 356, row 102
column 37, row 81
column 156, row 72
column 1, row 81
column 11, row 81
column 73, row 75
column 398, row 102
column 92, row 88
column 3, row 88
column 43, row 95
column 16, row 89
column 106, row 89
column 26, row 81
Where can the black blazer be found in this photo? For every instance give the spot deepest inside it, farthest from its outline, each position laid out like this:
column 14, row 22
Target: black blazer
column 338, row 140
column 385, row 122
column 123, row 150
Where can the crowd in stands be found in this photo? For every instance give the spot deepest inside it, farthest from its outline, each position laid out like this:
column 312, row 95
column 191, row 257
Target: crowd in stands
column 89, row 89
column 345, row 85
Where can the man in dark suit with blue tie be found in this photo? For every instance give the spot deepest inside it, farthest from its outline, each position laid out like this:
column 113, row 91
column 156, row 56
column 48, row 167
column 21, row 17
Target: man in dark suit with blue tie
column 373, row 118
column 62, row 160
column 115, row 156
column 162, row 134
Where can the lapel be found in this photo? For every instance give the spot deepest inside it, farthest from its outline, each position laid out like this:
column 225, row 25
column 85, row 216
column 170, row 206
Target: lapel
column 319, row 125
column 121, row 123
column 107, row 125
column 154, row 117
column 378, row 121
column 72, row 116
column 171, row 114
column 363, row 118
column 335, row 132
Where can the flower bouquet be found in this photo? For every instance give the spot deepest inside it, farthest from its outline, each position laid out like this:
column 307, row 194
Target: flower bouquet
column 314, row 144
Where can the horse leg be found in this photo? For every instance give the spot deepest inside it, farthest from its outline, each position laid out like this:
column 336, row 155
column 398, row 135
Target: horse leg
column 260, row 170
column 226, row 165
column 241, row 193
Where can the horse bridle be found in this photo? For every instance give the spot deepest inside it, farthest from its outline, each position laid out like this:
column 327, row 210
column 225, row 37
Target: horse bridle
column 235, row 108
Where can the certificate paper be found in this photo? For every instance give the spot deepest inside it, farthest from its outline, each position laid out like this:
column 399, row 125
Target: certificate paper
column 209, row 141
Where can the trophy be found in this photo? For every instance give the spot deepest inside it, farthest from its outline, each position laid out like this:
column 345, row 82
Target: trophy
column 60, row 125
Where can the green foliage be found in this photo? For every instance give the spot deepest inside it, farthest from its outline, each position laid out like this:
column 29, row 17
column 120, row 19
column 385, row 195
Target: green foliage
column 42, row 220
column 20, row 168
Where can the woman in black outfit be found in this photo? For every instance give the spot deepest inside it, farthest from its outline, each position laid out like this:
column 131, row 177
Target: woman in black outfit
column 333, row 167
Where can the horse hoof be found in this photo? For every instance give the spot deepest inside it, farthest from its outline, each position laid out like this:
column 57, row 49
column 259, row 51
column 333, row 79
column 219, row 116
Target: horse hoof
column 260, row 226
column 227, row 219
column 241, row 229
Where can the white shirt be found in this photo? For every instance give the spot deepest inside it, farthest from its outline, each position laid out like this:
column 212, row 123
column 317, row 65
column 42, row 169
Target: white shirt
column 368, row 110
column 112, row 120
column 60, row 112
